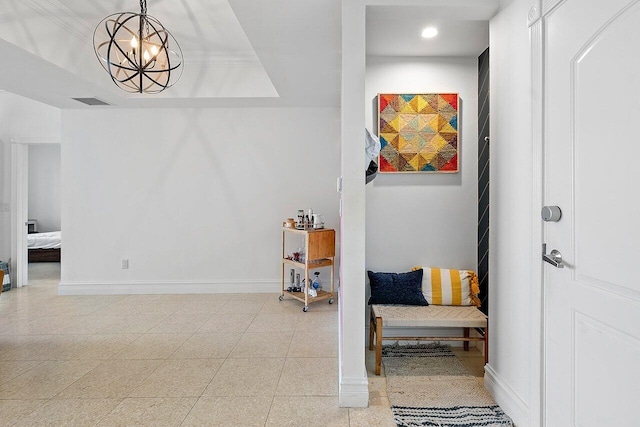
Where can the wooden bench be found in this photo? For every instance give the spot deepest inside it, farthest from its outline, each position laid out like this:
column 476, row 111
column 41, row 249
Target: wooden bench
column 431, row 316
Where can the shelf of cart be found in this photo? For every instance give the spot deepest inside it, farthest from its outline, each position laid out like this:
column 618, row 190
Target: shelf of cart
column 316, row 263
column 322, row 295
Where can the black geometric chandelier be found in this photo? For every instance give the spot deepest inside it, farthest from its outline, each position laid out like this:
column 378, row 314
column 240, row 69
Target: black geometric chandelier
column 139, row 54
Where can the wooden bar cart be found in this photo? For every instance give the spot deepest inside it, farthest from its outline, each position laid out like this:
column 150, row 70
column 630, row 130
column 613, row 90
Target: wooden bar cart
column 319, row 250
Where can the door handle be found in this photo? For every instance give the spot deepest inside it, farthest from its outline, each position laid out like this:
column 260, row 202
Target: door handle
column 554, row 258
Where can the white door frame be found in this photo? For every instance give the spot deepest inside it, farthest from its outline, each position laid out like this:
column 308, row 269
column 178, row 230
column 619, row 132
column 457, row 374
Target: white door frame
column 19, row 210
column 20, row 203
column 539, row 10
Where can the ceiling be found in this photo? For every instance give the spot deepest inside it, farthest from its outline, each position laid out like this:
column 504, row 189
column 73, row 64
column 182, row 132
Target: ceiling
column 236, row 52
column 462, row 31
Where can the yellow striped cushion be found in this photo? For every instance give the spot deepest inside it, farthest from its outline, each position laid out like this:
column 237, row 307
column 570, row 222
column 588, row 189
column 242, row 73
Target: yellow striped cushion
column 450, row 287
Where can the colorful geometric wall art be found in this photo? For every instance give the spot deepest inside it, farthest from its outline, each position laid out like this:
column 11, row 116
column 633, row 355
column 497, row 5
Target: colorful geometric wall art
column 418, row 132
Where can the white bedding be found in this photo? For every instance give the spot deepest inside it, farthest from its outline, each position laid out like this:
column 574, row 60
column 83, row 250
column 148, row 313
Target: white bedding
column 50, row 240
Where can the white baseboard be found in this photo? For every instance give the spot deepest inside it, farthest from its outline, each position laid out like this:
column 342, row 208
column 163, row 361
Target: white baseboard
column 169, row 287
column 506, row 397
column 354, row 392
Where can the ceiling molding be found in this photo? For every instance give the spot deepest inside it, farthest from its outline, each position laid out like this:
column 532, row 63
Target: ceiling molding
column 35, row 140
column 221, row 58
column 63, row 17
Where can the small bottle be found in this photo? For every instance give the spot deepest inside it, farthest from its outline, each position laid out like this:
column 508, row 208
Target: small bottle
column 315, row 284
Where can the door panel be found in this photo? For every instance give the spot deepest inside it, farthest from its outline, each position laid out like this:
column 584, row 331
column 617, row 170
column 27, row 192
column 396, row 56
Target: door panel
column 598, row 400
column 592, row 306
column 605, row 152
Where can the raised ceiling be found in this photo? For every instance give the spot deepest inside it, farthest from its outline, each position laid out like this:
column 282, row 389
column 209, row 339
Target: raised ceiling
column 237, row 52
column 270, row 58
column 395, row 31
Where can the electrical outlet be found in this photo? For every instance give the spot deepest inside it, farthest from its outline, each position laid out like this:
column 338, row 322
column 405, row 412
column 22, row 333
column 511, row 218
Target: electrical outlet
column 125, row 264
column 5, row 207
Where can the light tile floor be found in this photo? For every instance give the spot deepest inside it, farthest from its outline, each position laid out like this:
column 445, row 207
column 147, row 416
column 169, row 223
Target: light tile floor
column 174, row 360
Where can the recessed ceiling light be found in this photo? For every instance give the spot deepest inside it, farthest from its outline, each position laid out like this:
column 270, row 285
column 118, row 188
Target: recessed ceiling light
column 429, row 32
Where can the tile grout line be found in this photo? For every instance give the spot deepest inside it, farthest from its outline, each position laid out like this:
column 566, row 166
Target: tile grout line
column 287, row 334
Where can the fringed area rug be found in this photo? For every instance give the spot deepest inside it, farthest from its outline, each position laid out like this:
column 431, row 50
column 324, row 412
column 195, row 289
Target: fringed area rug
column 458, row 416
column 428, row 386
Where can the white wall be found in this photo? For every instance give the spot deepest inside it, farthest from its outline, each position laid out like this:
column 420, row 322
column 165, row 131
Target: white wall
column 511, row 358
column 44, row 186
column 26, row 121
column 24, row 118
column 425, row 219
column 353, row 391
column 193, row 198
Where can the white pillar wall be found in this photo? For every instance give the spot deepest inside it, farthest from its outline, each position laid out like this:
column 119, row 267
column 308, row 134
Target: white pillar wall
column 352, row 372
column 513, row 373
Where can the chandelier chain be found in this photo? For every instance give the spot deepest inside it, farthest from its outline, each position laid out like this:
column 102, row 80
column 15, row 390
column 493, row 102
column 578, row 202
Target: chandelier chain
column 143, row 12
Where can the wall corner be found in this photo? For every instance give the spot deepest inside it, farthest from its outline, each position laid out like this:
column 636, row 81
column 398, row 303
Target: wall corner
column 506, row 397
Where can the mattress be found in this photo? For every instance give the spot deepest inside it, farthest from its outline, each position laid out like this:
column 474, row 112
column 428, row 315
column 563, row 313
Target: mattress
column 49, row 240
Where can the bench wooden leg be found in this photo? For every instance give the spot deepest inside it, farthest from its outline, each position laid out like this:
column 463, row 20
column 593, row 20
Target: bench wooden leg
column 378, row 344
column 486, row 344
column 465, row 344
column 372, row 329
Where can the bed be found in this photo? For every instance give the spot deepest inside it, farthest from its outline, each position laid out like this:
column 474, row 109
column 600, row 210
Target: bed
column 44, row 247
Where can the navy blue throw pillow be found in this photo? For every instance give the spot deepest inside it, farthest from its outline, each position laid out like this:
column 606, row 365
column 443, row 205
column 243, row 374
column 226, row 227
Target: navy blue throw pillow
column 396, row 288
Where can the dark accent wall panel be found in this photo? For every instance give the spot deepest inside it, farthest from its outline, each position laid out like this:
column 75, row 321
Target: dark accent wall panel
column 483, row 179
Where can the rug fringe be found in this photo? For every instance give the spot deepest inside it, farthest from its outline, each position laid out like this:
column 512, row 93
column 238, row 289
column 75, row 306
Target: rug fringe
column 457, row 416
column 419, row 350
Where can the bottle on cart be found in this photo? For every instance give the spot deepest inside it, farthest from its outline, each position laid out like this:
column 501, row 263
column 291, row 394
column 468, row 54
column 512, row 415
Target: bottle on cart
column 315, row 284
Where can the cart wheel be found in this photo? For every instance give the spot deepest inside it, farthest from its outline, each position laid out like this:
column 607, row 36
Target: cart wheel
column 330, row 300
column 305, row 308
column 281, row 297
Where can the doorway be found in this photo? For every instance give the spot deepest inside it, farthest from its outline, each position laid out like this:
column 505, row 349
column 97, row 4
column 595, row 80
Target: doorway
column 44, row 236
column 42, row 168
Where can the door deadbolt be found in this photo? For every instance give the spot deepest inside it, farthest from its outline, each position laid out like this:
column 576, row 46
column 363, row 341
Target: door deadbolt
column 551, row 214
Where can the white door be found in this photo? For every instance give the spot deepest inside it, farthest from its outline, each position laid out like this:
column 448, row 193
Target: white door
column 592, row 172
column 19, row 212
